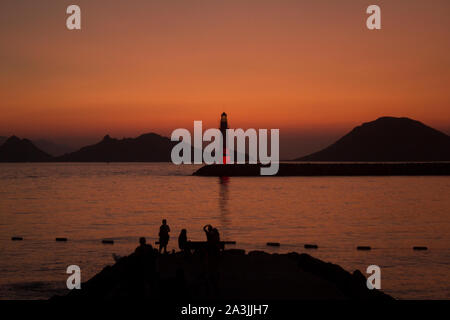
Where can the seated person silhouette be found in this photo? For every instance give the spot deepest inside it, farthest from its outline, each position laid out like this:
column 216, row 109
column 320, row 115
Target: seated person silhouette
column 183, row 243
column 143, row 249
column 164, row 236
column 215, row 236
column 215, row 240
column 146, row 266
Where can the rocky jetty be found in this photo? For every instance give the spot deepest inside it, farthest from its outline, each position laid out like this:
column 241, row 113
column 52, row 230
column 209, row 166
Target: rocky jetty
column 233, row 275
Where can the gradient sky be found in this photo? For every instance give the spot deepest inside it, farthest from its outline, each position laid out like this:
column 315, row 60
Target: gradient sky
column 310, row 68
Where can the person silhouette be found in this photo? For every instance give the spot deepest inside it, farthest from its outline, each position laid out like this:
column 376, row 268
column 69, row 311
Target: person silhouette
column 208, row 231
column 146, row 265
column 212, row 257
column 164, row 236
column 215, row 238
column 143, row 249
column 183, row 242
column 212, row 239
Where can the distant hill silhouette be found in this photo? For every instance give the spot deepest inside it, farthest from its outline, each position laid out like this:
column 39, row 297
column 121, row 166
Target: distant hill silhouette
column 2, row 139
column 52, row 148
column 15, row 149
column 149, row 147
column 388, row 139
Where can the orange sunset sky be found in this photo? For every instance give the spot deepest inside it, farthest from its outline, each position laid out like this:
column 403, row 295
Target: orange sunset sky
column 310, row 68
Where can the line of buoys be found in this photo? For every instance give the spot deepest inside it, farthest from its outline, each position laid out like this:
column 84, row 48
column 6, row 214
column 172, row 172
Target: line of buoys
column 273, row 244
column 270, row 244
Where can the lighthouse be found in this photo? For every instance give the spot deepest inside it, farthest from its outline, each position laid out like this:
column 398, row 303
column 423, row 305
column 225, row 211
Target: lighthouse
column 223, row 130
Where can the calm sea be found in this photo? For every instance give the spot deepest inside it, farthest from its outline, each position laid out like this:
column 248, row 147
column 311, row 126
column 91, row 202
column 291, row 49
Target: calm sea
column 90, row 202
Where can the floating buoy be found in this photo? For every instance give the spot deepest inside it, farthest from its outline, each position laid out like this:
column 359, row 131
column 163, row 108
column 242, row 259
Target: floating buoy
column 365, row 248
column 311, row 246
column 16, row 238
column 420, row 248
column 61, row 239
column 273, row 244
column 106, row 241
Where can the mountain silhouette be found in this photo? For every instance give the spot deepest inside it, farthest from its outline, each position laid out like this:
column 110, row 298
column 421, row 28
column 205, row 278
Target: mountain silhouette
column 149, row 147
column 15, row 149
column 2, row 139
column 387, row 139
column 54, row 149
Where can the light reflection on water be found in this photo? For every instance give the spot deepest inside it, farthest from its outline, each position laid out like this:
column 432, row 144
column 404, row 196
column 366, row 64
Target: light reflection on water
column 90, row 202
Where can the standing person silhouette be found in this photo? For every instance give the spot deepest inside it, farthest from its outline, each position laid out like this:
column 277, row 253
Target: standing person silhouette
column 208, row 231
column 212, row 257
column 164, row 236
column 212, row 239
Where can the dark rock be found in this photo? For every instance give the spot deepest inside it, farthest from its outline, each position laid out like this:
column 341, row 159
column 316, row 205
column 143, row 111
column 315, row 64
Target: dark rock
column 359, row 278
column 257, row 253
column 353, row 286
column 234, row 252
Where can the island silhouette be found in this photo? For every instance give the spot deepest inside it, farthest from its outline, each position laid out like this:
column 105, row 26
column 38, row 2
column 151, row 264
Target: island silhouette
column 149, row 147
column 15, row 149
column 387, row 139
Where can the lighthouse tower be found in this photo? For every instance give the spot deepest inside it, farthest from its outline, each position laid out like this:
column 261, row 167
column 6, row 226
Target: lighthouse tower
column 223, row 129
